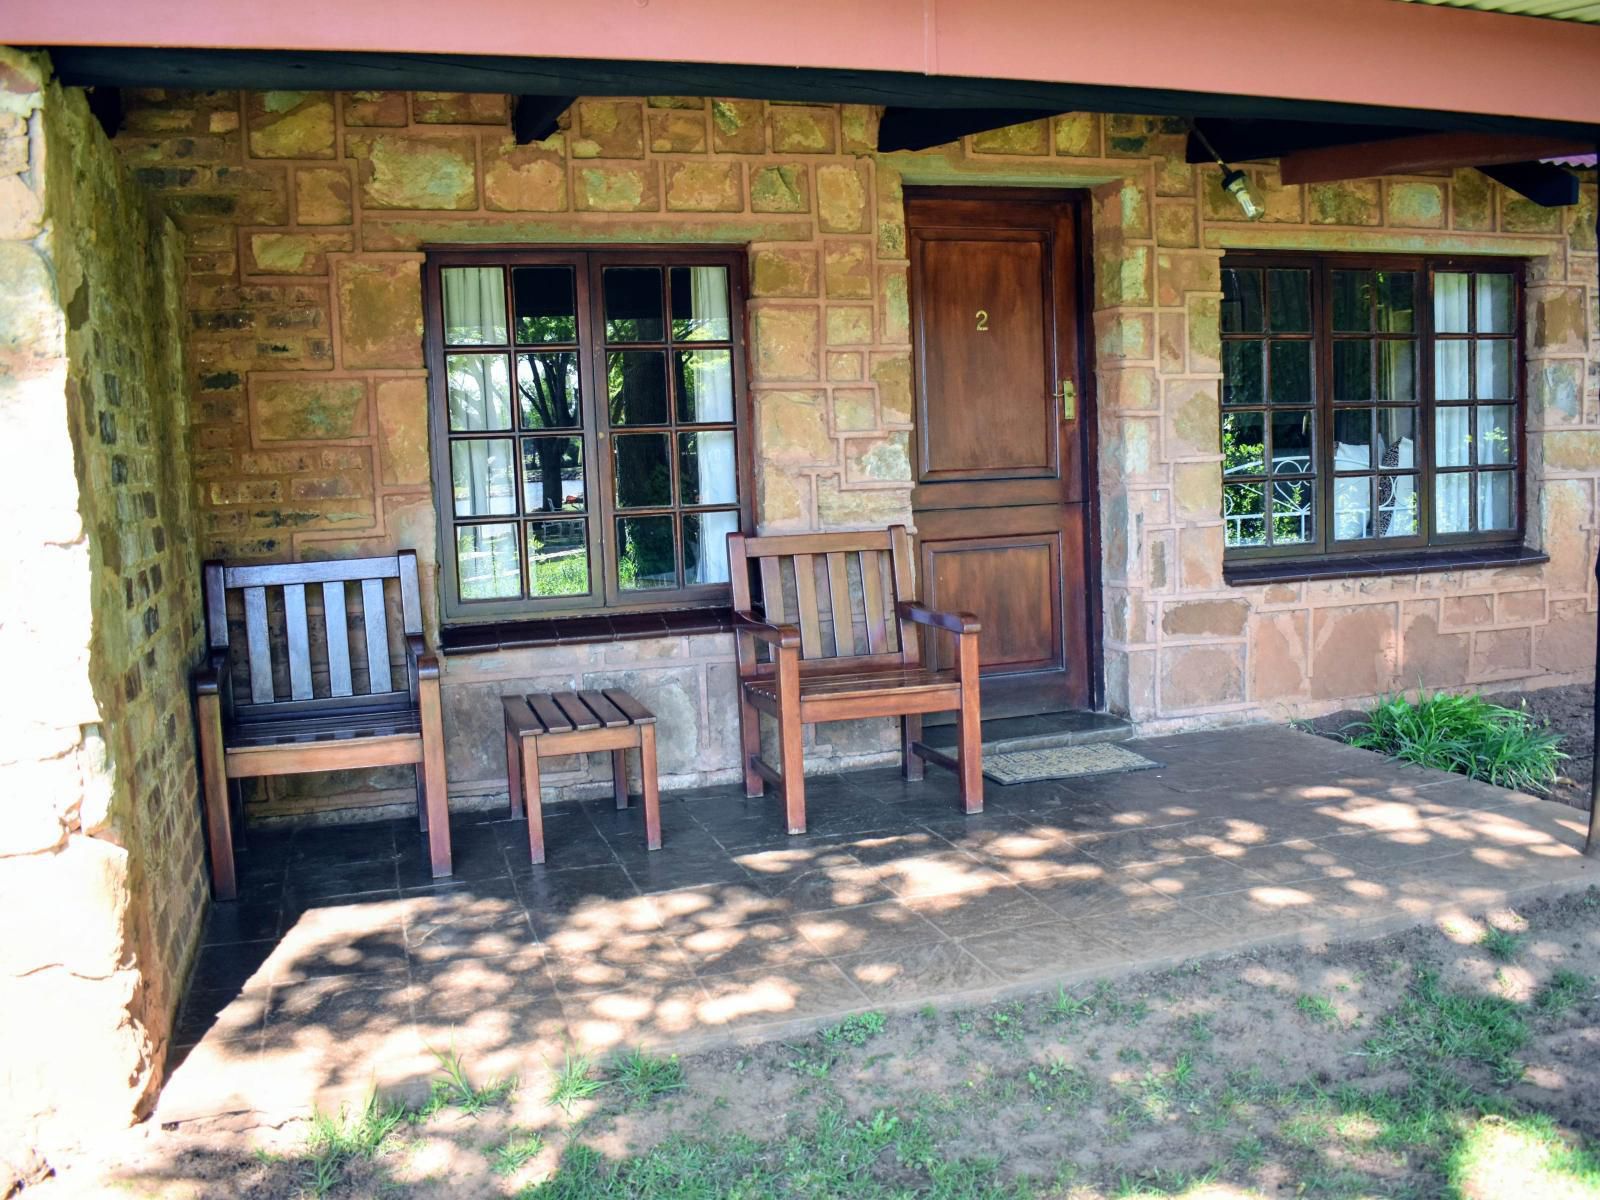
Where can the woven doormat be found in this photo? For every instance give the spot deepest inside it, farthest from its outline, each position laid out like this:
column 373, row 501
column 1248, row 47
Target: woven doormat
column 1027, row 766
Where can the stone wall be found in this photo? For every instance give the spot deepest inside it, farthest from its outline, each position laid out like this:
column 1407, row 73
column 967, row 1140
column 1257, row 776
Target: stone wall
column 306, row 214
column 101, row 868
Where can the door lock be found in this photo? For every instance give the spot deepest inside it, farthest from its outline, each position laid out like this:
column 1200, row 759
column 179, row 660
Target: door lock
column 1068, row 395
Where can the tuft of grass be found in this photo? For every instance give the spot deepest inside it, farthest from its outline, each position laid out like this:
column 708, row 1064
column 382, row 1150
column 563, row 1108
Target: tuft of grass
column 335, row 1142
column 1464, row 734
column 1318, row 1008
column 1064, row 1006
column 1500, row 944
column 1432, row 1026
column 641, row 1076
column 1564, row 989
column 855, row 1030
column 520, row 1147
column 575, row 1081
column 456, row 1090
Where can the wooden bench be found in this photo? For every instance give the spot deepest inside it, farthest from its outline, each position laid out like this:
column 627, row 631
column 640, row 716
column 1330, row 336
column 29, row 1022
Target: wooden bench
column 347, row 712
column 851, row 652
column 548, row 724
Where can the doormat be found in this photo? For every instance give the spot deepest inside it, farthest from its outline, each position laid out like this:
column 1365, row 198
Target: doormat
column 1027, row 766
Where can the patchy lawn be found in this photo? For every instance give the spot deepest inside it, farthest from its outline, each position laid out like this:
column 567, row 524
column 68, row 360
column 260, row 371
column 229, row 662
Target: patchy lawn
column 1462, row 1062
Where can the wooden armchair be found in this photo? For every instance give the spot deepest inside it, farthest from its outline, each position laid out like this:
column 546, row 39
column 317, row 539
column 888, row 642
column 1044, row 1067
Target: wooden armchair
column 297, row 721
column 851, row 653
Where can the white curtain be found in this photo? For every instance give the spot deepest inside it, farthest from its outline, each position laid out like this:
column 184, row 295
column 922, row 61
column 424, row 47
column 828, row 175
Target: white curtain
column 710, row 374
column 474, row 306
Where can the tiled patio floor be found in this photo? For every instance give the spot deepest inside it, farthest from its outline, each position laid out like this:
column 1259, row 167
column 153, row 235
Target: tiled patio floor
column 344, row 965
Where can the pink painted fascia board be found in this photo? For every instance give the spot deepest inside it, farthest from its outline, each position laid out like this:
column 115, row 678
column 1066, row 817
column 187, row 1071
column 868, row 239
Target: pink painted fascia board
column 1374, row 52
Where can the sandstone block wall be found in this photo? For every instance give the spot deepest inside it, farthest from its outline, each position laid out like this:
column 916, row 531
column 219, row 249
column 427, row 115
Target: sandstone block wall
column 305, row 216
column 101, row 870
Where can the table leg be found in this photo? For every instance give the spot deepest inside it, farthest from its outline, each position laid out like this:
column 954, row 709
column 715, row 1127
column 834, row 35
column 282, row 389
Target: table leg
column 533, row 802
column 652, row 793
column 619, row 778
column 514, row 769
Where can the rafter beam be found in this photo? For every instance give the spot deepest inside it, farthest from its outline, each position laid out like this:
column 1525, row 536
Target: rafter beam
column 923, row 128
column 1545, row 184
column 533, row 118
column 1248, row 140
column 1424, row 152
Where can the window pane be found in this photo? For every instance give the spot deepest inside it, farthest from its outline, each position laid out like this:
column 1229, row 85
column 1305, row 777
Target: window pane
column 643, row 474
column 636, row 381
column 1494, row 304
column 633, row 304
column 1352, row 508
column 474, row 306
column 1241, row 301
column 1494, row 434
column 707, row 473
column 547, row 390
column 700, row 304
column 1494, row 370
column 704, row 379
column 1449, row 302
column 558, row 558
column 1397, row 438
column 1291, row 372
column 1397, row 505
column 1450, row 502
column 1352, row 304
column 480, row 477
column 1352, row 371
column 1241, row 372
column 1244, row 519
column 1450, row 370
column 1293, row 518
column 1244, row 450
column 1495, row 509
column 486, row 561
column 479, row 388
column 1452, row 437
column 705, row 546
column 1289, row 301
column 1352, row 439
column 552, row 474
column 646, row 559
column 1291, row 443
column 1397, row 371
column 546, row 303
column 1397, row 305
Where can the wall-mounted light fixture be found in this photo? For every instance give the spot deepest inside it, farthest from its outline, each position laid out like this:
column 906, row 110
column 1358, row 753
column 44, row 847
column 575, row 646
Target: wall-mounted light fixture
column 1234, row 181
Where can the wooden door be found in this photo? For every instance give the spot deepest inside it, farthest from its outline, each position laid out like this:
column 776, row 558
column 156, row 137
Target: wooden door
column 1002, row 496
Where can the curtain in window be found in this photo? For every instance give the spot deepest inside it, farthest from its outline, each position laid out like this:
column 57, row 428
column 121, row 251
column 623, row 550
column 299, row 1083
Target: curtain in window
column 474, row 305
column 713, row 381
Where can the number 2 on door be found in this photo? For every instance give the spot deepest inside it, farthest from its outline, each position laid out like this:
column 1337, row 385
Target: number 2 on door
column 983, row 320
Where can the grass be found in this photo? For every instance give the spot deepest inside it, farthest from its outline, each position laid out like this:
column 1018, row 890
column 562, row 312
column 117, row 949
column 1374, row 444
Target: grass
column 1317, row 1008
column 1500, row 944
column 1433, row 1026
column 1464, row 734
column 575, row 1081
column 520, row 1147
column 455, row 1090
column 1564, row 990
column 641, row 1077
column 335, row 1143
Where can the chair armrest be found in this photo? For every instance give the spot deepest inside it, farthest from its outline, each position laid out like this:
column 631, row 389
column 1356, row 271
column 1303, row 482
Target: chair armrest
column 954, row 622
column 783, row 637
column 208, row 677
column 425, row 664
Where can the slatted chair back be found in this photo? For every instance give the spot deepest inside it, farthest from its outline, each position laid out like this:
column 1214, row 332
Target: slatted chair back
column 316, row 634
column 841, row 589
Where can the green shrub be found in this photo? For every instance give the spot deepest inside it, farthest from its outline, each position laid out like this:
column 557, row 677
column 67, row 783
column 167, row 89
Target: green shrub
column 1465, row 734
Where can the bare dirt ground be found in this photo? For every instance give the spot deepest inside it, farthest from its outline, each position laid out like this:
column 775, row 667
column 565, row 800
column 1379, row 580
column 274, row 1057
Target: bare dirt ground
column 1454, row 1061
column 1567, row 710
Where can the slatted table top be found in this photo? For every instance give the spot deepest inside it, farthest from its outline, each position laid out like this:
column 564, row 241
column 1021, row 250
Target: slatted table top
column 574, row 712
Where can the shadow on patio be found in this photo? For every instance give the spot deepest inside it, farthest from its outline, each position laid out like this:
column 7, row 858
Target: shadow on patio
column 343, row 965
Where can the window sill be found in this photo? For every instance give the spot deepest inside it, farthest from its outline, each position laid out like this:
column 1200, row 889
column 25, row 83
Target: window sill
column 572, row 631
column 1417, row 562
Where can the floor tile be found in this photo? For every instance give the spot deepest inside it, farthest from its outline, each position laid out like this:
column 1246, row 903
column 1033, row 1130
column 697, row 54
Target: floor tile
column 930, row 968
column 1038, row 951
column 1158, row 928
column 883, row 926
column 1204, row 875
column 794, row 991
column 758, row 944
column 1089, row 887
column 965, row 914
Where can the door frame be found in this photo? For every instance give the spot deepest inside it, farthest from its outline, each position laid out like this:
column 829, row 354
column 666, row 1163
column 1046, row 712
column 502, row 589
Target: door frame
column 1079, row 202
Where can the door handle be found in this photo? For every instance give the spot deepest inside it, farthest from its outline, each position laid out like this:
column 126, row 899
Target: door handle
column 1067, row 393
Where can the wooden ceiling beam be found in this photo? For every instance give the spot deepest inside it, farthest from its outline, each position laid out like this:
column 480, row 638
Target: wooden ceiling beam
column 1424, row 152
column 923, row 128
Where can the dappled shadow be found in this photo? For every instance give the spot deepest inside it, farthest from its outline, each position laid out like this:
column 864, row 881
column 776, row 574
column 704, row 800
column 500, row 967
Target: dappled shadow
column 345, row 966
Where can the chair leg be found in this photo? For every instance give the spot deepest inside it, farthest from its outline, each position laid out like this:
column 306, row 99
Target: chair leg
column 619, row 779
column 422, row 797
column 790, row 736
column 534, row 800
column 214, row 783
column 750, row 746
column 970, row 752
column 514, row 770
column 910, row 762
column 435, row 784
column 652, row 786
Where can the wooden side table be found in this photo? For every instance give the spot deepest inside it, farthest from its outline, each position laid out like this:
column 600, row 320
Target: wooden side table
column 547, row 724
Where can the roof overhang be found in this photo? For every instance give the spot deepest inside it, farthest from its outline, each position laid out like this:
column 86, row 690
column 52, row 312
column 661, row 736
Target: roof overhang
column 1355, row 55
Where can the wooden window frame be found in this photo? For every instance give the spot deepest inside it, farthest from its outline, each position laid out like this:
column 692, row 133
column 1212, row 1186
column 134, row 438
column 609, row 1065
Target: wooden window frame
column 587, row 262
column 1428, row 543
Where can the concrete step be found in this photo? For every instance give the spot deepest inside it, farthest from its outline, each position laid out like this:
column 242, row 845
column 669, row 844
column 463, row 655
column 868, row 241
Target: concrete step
column 1043, row 732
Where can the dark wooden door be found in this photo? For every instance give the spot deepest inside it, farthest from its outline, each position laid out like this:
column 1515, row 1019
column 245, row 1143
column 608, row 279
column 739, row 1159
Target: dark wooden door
column 1002, row 494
